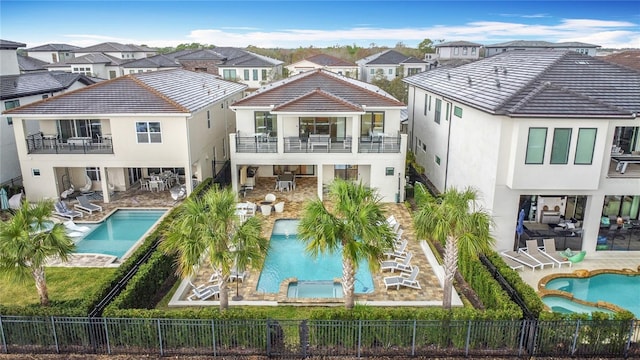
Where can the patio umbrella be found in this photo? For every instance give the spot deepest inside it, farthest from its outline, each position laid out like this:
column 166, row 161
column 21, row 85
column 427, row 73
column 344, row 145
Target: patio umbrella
column 4, row 199
column 520, row 225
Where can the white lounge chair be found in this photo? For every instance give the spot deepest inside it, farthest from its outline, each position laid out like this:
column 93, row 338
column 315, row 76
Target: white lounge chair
column 61, row 209
column 522, row 259
column 551, row 252
column 85, row 205
column 404, row 279
column 203, row 292
column 514, row 265
column 74, row 227
column 534, row 252
column 398, row 251
column 398, row 264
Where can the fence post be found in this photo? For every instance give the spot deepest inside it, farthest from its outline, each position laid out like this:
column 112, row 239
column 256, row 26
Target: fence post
column 106, row 335
column 627, row 346
column 466, row 345
column 413, row 340
column 575, row 338
column 213, row 336
column 359, row 336
column 268, row 337
column 160, row 337
column 4, row 341
column 522, row 336
column 55, row 335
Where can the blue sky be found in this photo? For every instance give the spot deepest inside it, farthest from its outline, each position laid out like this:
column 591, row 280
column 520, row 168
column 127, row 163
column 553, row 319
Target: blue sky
column 300, row 23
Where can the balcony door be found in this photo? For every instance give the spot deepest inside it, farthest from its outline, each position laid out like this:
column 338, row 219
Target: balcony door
column 332, row 126
column 79, row 128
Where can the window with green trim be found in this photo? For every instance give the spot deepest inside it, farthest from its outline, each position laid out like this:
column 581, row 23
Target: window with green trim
column 436, row 116
column 560, row 146
column 457, row 111
column 585, row 146
column 536, row 142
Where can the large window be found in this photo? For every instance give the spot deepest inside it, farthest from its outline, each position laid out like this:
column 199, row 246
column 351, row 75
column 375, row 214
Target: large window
column 371, row 122
column 11, row 104
column 436, row 116
column 332, row 126
column 79, row 128
column 265, row 123
column 535, row 146
column 246, row 74
column 346, row 172
column 584, row 148
column 93, row 173
column 148, row 132
column 264, row 75
column 229, row 74
column 560, row 146
column 255, row 75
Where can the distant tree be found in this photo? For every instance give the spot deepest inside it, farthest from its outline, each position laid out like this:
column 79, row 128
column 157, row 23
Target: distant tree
column 426, row 46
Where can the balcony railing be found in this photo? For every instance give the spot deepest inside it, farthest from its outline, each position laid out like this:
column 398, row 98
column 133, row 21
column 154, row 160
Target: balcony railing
column 317, row 144
column 379, row 144
column 256, row 144
column 37, row 144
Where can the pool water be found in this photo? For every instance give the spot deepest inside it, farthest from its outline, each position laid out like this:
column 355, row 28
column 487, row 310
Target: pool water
column 118, row 232
column 617, row 289
column 315, row 289
column 563, row 305
column 287, row 258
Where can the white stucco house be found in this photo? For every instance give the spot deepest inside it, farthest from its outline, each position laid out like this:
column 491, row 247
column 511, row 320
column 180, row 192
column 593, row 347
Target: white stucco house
column 321, row 125
column 118, row 131
column 553, row 133
column 52, row 53
column 521, row 45
column 390, row 64
column 327, row 62
column 458, row 50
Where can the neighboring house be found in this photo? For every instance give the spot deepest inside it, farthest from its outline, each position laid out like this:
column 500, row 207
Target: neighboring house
column 120, row 51
column 18, row 89
column 543, row 131
column 28, row 64
column 52, row 53
column 119, row 131
column 327, row 62
column 102, row 66
column 457, row 50
column 8, row 57
column 153, row 63
column 321, row 125
column 390, row 64
column 628, row 58
column 579, row 47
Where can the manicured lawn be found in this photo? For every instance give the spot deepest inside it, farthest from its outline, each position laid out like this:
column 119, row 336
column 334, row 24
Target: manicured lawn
column 63, row 283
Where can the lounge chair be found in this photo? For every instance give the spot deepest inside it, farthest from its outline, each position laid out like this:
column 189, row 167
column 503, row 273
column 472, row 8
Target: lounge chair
column 61, row 209
column 514, row 265
column 522, row 259
column 203, row 292
column 398, row 251
column 551, row 252
column 74, row 227
column 398, row 264
column 85, row 205
column 404, row 279
column 534, row 252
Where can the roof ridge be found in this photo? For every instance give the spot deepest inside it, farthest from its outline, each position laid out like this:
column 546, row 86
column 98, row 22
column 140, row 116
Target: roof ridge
column 155, row 91
column 352, row 84
column 323, row 93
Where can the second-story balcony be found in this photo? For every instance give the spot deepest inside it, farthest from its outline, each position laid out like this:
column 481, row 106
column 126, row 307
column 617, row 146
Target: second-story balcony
column 50, row 144
column 317, row 143
column 625, row 153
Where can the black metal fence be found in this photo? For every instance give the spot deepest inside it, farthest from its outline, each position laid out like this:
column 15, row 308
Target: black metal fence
column 321, row 338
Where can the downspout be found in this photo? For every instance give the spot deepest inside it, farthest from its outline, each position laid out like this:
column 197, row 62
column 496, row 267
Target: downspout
column 413, row 121
column 446, row 168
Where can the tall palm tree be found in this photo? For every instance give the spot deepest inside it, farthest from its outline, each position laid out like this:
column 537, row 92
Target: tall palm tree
column 352, row 225
column 26, row 242
column 208, row 229
column 454, row 220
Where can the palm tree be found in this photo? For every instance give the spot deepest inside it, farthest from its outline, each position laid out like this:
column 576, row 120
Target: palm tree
column 352, row 226
column 453, row 220
column 208, row 229
column 26, row 242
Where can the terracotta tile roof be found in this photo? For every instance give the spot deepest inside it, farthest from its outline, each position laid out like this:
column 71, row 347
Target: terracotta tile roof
column 336, row 86
column 538, row 83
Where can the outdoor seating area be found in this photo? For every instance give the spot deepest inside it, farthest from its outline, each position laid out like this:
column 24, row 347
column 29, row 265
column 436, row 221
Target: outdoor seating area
column 61, row 210
column 408, row 273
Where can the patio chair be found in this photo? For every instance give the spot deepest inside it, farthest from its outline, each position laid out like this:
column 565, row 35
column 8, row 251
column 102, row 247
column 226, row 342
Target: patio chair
column 203, row 292
column 85, row 205
column 265, row 210
column 398, row 264
column 551, row 252
column 279, row 207
column 522, row 259
column 404, row 279
column 514, row 265
column 61, row 209
column 87, row 186
column 74, row 227
column 534, row 252
column 235, row 275
column 15, row 201
column 398, row 251
column 270, row 197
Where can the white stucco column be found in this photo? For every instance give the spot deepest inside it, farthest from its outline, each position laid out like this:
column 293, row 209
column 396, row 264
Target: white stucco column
column 591, row 223
column 319, row 183
column 106, row 197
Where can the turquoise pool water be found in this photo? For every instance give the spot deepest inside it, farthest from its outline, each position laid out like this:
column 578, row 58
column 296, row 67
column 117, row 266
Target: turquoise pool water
column 563, row 305
column 617, row 289
column 287, row 258
column 118, row 232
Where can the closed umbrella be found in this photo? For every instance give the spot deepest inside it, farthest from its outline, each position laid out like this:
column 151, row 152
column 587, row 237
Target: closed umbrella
column 520, row 225
column 4, row 199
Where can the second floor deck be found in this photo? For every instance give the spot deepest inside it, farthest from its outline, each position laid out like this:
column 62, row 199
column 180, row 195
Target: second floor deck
column 319, row 144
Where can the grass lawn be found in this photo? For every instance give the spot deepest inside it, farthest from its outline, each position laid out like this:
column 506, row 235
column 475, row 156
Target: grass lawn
column 63, row 284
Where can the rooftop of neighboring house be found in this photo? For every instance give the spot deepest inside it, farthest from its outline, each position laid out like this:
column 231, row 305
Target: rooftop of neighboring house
column 227, row 57
column 388, row 57
column 53, row 47
column 97, row 58
column 16, row 86
column 27, row 64
column 328, row 60
column 171, row 92
column 156, row 61
column 10, row 45
column 317, row 91
column 539, row 83
column 113, row 47
column 628, row 58
column 457, row 43
column 541, row 44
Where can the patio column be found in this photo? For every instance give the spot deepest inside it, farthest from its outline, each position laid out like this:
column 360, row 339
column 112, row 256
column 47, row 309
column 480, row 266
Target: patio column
column 106, row 197
column 320, row 180
column 355, row 134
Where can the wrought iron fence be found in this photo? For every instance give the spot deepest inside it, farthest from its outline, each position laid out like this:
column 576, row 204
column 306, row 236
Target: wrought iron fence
column 320, row 338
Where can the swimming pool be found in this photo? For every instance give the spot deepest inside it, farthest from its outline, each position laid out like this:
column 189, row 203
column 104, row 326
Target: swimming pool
column 615, row 288
column 118, row 232
column 287, row 259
